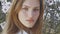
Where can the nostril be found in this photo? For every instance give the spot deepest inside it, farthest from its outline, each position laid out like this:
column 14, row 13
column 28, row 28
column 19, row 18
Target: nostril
column 30, row 16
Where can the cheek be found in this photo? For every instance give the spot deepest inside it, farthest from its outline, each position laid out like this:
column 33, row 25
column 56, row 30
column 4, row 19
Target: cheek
column 25, row 14
column 36, row 15
column 22, row 16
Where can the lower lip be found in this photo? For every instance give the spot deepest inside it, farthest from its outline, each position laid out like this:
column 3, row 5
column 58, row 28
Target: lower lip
column 30, row 21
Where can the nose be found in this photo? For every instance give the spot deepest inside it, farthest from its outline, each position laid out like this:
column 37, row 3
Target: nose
column 30, row 14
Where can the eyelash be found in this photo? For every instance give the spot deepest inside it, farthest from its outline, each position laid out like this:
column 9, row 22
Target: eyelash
column 36, row 9
column 25, row 9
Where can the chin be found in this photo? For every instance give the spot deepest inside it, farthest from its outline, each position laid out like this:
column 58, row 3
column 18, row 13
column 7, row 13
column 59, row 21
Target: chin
column 29, row 26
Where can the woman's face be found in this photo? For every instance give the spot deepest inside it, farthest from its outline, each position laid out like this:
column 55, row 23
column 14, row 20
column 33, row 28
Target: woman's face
column 29, row 13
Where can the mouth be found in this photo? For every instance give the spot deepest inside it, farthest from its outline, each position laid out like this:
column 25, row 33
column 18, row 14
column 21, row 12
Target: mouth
column 30, row 20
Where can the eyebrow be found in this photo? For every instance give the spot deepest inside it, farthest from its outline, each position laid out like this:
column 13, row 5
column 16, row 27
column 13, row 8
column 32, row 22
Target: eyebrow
column 28, row 6
column 25, row 6
column 37, row 7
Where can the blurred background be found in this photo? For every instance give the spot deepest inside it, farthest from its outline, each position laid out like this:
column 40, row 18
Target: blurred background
column 51, row 15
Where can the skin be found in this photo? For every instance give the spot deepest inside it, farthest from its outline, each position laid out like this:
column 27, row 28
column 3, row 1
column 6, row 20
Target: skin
column 29, row 13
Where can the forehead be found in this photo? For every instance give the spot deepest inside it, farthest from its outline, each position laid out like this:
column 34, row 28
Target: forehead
column 31, row 3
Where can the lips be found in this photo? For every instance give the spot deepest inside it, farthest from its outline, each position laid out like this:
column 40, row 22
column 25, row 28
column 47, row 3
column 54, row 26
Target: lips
column 30, row 20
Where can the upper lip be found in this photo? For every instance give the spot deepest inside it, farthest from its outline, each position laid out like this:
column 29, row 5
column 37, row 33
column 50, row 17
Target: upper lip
column 30, row 20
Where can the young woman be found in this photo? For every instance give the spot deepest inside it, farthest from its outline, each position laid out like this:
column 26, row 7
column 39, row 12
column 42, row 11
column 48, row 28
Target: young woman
column 25, row 17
